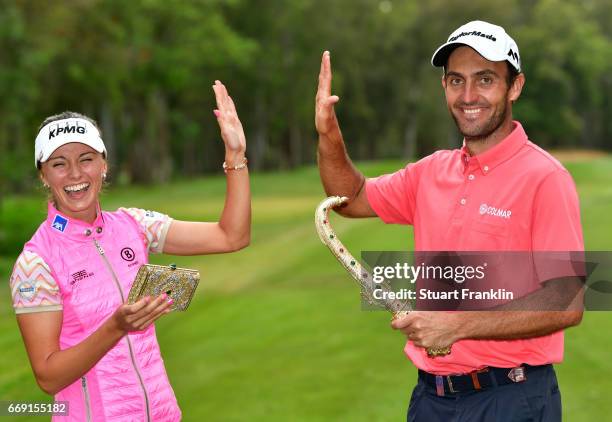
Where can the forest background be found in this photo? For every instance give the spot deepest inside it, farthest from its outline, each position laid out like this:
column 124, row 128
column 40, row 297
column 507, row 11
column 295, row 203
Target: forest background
column 275, row 332
column 144, row 70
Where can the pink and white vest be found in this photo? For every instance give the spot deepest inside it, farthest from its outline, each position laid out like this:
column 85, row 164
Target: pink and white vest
column 94, row 266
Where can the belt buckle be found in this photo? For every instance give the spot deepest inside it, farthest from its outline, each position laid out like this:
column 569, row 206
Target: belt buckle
column 517, row 374
column 450, row 384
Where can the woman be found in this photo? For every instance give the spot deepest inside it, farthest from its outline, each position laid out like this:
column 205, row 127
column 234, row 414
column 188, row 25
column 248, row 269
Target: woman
column 69, row 285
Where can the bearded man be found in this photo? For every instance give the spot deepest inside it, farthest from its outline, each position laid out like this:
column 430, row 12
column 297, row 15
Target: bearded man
column 500, row 365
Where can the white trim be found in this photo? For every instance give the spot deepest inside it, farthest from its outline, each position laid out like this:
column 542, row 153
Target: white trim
column 33, row 309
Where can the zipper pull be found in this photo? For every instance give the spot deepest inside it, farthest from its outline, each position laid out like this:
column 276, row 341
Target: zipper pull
column 99, row 247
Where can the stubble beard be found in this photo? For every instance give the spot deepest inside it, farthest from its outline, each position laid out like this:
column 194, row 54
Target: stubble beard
column 485, row 130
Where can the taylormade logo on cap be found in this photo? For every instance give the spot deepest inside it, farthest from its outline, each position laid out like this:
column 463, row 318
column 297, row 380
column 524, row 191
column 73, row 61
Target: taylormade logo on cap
column 490, row 41
column 475, row 33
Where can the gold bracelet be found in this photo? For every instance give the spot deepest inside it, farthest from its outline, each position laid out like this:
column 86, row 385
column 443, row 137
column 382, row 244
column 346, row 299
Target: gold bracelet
column 240, row 166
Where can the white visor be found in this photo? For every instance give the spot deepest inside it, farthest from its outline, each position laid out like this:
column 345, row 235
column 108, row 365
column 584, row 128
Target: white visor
column 61, row 132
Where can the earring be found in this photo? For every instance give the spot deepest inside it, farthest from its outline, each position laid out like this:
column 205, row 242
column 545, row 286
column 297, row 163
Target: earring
column 45, row 185
column 104, row 176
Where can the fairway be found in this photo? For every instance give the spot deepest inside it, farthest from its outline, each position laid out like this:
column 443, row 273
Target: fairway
column 276, row 333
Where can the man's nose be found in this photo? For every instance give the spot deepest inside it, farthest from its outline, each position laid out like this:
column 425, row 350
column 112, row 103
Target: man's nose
column 470, row 94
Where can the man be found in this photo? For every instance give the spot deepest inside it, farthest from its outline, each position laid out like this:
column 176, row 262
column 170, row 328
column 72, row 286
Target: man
column 499, row 367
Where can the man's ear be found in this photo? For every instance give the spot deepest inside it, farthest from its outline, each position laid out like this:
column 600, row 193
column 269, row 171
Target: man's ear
column 444, row 81
column 517, row 87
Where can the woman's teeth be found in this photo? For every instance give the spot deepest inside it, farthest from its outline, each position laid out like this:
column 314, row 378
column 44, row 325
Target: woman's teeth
column 76, row 188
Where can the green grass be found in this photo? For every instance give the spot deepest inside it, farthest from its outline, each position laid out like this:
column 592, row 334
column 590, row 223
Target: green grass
column 275, row 331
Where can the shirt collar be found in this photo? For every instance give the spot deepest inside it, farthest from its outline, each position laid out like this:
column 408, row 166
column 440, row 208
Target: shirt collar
column 501, row 152
column 72, row 227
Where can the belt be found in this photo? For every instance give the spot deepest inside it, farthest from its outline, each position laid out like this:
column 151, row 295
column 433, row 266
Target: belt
column 478, row 380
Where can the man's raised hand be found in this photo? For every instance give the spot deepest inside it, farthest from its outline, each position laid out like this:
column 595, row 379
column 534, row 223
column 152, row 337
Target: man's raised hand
column 325, row 116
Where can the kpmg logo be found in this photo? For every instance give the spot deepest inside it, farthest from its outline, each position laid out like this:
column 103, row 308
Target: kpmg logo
column 59, row 223
column 73, row 127
column 495, row 212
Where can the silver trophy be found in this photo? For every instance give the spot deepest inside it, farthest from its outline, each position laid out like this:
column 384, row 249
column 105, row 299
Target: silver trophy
column 398, row 308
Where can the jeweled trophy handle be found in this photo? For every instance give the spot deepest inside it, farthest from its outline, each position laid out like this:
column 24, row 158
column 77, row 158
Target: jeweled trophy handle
column 329, row 238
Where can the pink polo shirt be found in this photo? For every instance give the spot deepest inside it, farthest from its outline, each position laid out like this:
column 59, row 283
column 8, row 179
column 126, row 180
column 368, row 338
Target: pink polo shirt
column 513, row 197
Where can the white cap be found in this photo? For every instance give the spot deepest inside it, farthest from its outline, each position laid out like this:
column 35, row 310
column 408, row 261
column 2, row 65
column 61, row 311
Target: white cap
column 60, row 132
column 490, row 41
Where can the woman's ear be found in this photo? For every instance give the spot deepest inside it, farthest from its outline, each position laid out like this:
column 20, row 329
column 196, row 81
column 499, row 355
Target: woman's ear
column 41, row 176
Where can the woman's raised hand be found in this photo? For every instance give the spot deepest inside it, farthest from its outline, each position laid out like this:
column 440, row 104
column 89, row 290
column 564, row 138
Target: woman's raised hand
column 229, row 123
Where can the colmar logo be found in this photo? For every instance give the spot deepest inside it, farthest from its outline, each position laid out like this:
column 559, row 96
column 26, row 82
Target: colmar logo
column 495, row 212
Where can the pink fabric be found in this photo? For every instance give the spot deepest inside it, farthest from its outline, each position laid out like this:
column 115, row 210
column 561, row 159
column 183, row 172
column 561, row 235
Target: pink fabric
column 514, row 197
column 89, row 296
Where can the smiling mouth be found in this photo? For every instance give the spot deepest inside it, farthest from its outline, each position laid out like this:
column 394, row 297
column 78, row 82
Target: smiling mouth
column 81, row 187
column 471, row 114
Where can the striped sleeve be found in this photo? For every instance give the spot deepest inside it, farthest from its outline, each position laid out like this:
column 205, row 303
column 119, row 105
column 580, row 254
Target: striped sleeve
column 154, row 226
column 33, row 287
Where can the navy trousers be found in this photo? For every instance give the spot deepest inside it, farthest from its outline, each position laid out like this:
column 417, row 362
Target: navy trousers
column 535, row 399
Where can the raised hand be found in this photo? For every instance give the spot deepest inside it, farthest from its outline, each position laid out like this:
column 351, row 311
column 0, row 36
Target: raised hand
column 325, row 116
column 231, row 128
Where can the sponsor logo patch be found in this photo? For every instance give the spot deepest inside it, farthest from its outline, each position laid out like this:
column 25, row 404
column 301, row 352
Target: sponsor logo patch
column 495, row 212
column 154, row 214
column 59, row 223
column 27, row 290
column 128, row 254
